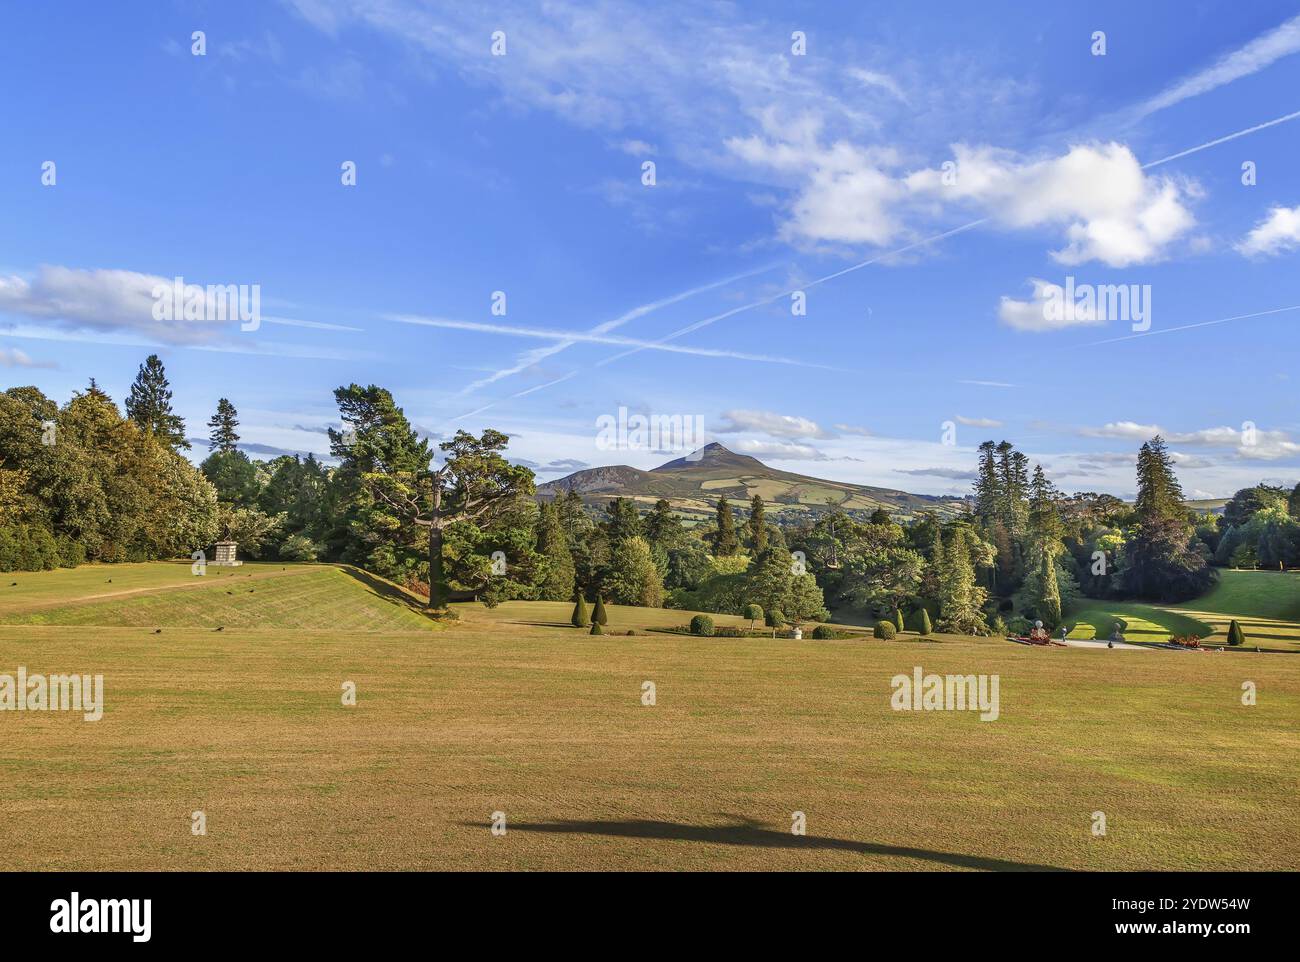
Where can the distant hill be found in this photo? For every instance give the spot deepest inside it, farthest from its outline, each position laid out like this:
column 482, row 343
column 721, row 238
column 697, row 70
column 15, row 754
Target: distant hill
column 694, row 483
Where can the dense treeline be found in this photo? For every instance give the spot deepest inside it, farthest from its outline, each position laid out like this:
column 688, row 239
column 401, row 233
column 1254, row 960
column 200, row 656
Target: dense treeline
column 85, row 482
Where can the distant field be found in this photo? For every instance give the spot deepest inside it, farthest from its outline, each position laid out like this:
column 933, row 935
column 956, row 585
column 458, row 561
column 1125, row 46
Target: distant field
column 1266, row 603
column 510, row 710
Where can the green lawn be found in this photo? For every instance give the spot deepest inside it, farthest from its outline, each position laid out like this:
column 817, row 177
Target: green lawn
column 510, row 710
column 258, row 597
column 1265, row 603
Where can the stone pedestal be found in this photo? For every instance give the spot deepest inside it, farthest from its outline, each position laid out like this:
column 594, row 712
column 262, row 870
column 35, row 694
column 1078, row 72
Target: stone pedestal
column 225, row 555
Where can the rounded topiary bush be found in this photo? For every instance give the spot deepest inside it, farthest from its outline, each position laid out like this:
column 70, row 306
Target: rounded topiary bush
column 822, row 632
column 752, row 613
column 886, row 631
column 702, row 625
column 774, row 618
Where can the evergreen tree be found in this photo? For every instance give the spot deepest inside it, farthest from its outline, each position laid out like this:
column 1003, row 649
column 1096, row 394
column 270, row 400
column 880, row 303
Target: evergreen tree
column 1236, row 637
column 898, row 619
column 662, row 529
column 221, row 433
column 961, row 600
column 923, row 626
column 558, row 582
column 633, row 577
column 622, row 521
column 579, row 617
column 598, row 614
column 1049, row 607
column 149, row 405
column 987, row 485
column 724, row 539
column 1293, row 503
column 596, row 628
column 757, row 528
column 1159, row 562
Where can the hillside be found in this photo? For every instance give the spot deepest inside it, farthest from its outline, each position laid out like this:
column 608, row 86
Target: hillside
column 695, row 482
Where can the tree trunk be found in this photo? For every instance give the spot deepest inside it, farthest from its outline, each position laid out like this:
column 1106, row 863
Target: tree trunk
column 437, row 586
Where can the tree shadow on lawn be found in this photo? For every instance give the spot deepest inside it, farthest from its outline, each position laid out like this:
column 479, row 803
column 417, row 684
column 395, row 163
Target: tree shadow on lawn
column 751, row 833
column 385, row 590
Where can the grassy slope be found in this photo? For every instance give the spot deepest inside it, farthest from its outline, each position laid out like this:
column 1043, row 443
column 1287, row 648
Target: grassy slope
column 1266, row 603
column 267, row 597
column 508, row 710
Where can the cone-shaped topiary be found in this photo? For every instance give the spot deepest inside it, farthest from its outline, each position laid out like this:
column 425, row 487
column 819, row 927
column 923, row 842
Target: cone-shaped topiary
column 596, row 629
column 598, row 613
column 885, row 630
column 898, row 619
column 1236, row 637
column 579, row 618
column 923, row 626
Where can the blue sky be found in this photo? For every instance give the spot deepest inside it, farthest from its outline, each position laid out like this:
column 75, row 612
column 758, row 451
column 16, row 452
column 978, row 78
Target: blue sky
column 775, row 172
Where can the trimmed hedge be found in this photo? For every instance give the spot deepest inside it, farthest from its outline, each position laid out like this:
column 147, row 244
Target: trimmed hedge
column 822, row 633
column 886, row 631
column 702, row 625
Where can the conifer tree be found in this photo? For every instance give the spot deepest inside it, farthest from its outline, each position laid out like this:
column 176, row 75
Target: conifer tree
column 724, row 539
column 598, row 614
column 221, row 427
column 923, row 626
column 1236, row 637
column 579, row 617
column 757, row 526
column 149, row 405
column 558, row 583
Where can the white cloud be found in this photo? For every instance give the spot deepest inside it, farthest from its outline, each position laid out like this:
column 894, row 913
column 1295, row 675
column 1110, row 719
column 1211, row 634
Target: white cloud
column 780, row 450
column 1278, row 232
column 770, row 423
column 103, row 300
column 854, row 429
column 978, row 422
column 1246, row 443
column 874, row 78
column 12, row 357
column 952, row 474
column 1034, row 315
column 1109, row 209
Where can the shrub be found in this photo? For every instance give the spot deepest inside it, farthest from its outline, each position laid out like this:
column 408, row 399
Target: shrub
column 886, row 631
column 753, row 613
column 1236, row 637
column 298, row 547
column 823, row 632
column 1187, row 641
column 630, row 632
column 579, row 617
column 1019, row 626
column 774, row 618
column 598, row 613
column 923, row 626
column 702, row 625
column 727, row 631
column 596, row 628
column 898, row 620
column 71, row 553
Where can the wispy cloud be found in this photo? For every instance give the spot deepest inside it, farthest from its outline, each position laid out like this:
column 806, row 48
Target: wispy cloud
column 1278, row 232
column 1264, row 50
column 771, row 423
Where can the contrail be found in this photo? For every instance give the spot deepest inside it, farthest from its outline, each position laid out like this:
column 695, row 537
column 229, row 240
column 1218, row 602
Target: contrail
column 1222, row 140
column 1188, row 327
column 573, row 336
column 529, row 358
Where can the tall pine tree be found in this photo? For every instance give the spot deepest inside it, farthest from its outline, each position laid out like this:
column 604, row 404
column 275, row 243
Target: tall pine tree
column 149, row 405
column 757, row 526
column 221, row 427
column 724, row 539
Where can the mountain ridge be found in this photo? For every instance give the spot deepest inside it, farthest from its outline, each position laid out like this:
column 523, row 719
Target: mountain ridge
column 695, row 482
